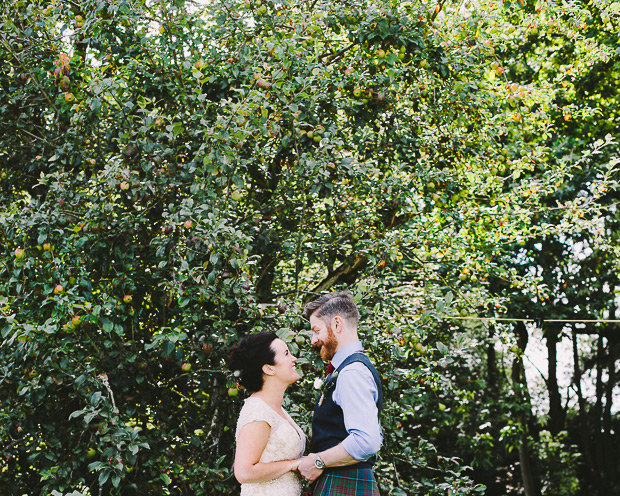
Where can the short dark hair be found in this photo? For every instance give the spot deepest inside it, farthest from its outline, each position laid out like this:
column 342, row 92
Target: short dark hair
column 332, row 304
column 249, row 356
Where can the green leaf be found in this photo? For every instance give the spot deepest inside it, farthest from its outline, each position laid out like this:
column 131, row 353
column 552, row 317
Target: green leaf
column 442, row 348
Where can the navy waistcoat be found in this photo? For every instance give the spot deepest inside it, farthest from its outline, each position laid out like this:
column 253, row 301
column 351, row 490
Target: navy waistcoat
column 328, row 428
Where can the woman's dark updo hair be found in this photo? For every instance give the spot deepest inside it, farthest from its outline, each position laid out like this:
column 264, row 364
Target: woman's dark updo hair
column 249, row 356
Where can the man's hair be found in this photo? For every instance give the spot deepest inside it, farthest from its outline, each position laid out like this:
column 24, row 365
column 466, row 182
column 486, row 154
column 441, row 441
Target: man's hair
column 328, row 306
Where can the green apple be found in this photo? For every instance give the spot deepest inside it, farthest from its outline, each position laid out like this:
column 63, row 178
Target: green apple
column 19, row 253
column 232, row 392
column 186, row 367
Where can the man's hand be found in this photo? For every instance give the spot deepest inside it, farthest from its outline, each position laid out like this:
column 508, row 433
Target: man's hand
column 307, row 469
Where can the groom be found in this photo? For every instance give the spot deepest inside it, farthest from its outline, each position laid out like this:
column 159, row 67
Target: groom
column 346, row 430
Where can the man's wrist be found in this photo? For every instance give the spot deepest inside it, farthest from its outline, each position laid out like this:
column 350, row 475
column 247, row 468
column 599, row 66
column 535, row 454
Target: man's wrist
column 318, row 462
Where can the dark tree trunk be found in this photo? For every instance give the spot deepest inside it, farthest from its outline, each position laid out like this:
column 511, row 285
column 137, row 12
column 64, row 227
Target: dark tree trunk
column 584, row 433
column 530, row 483
column 492, row 372
column 556, row 412
column 597, row 412
column 608, row 434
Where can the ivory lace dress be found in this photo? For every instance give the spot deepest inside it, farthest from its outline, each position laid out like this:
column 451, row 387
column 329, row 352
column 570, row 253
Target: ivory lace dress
column 286, row 441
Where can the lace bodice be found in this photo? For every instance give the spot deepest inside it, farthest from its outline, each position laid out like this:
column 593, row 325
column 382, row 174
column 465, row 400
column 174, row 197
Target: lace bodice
column 286, row 441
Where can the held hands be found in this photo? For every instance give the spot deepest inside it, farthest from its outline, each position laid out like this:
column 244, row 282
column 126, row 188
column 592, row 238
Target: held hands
column 307, row 469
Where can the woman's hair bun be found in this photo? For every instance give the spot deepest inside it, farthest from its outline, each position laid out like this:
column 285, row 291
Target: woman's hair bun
column 249, row 356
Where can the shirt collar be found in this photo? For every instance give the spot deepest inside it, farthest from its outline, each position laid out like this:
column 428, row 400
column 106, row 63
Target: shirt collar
column 344, row 352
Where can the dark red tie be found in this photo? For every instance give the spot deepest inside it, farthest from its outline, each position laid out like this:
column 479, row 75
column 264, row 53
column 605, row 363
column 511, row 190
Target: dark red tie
column 330, row 369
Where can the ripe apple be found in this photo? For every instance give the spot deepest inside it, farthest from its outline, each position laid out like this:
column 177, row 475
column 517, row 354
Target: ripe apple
column 262, row 83
column 76, row 321
column 58, row 289
column 186, row 367
column 380, row 53
column 69, row 97
column 19, row 253
column 232, row 392
column 47, row 247
column 127, row 298
column 188, row 224
column 124, row 185
column 349, row 70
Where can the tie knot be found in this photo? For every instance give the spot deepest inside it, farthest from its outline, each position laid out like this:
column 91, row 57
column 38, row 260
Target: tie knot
column 330, row 369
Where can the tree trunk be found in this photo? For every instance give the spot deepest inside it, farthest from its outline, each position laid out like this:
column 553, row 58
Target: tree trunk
column 492, row 372
column 556, row 413
column 609, row 447
column 597, row 427
column 520, row 386
column 584, row 432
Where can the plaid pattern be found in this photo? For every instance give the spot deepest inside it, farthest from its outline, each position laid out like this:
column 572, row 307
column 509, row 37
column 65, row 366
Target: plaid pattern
column 346, row 482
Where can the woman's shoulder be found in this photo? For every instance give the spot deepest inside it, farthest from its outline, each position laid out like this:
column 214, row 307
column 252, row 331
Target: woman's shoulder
column 255, row 409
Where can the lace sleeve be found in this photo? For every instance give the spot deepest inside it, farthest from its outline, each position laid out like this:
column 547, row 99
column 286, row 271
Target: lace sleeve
column 253, row 411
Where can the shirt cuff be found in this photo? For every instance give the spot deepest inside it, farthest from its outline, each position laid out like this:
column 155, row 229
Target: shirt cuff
column 361, row 453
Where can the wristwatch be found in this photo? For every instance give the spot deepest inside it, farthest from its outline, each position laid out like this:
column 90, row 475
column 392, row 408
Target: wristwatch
column 318, row 463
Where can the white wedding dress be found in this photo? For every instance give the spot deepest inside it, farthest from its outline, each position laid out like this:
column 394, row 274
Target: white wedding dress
column 286, row 441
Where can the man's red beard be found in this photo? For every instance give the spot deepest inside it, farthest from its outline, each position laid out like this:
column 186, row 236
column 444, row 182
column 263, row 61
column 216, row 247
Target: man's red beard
column 328, row 347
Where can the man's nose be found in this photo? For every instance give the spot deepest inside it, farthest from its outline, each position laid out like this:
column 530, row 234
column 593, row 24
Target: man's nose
column 313, row 340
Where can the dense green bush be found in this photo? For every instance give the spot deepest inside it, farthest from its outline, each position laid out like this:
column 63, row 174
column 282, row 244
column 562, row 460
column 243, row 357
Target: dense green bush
column 174, row 176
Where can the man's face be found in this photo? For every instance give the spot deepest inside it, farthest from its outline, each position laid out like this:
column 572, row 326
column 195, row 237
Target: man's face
column 323, row 338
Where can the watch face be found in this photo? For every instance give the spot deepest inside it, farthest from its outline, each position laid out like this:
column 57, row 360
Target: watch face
column 318, row 463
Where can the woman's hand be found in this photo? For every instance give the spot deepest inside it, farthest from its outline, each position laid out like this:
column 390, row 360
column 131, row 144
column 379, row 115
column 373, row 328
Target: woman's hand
column 295, row 464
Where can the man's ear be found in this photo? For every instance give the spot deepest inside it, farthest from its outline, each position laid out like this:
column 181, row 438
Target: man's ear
column 268, row 369
column 337, row 323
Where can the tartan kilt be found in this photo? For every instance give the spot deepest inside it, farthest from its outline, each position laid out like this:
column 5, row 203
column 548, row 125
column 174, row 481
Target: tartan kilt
column 346, row 482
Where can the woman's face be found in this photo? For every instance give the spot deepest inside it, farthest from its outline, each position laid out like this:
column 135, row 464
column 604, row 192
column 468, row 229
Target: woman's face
column 284, row 366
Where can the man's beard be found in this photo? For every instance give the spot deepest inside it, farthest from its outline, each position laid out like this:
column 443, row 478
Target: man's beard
column 328, row 348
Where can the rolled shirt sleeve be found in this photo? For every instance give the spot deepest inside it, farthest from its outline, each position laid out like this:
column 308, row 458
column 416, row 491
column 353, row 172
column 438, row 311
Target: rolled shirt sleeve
column 356, row 393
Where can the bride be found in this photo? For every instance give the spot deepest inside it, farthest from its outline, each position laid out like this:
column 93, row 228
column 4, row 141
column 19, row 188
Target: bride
column 269, row 443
